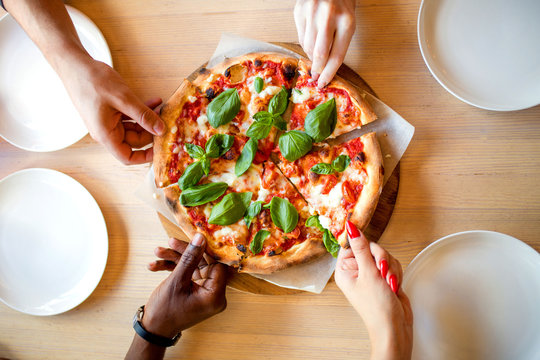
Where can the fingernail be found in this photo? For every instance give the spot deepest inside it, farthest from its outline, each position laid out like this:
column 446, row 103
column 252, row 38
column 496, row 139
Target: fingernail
column 197, row 240
column 159, row 127
column 315, row 76
column 393, row 283
column 384, row 268
column 352, row 230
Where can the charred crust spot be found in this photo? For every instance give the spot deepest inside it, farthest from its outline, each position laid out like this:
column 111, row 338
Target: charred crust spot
column 289, row 71
column 309, row 72
column 382, row 170
column 217, row 258
column 241, row 247
column 360, row 157
column 313, row 177
column 227, row 72
column 210, row 93
column 325, row 152
column 257, row 62
column 199, row 224
column 271, row 253
column 202, row 70
column 229, row 155
column 171, row 203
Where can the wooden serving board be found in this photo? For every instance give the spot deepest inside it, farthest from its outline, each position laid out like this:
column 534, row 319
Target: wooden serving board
column 379, row 221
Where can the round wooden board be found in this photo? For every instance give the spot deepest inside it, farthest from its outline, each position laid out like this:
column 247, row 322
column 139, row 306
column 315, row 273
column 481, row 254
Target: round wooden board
column 381, row 217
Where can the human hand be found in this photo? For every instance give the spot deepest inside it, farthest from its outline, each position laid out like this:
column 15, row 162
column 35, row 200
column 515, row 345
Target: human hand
column 113, row 114
column 325, row 29
column 193, row 292
column 370, row 277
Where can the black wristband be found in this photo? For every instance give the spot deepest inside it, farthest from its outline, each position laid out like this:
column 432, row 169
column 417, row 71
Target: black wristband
column 148, row 336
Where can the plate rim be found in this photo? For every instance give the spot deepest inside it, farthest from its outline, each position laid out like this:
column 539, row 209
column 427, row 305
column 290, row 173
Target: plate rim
column 102, row 222
column 81, row 18
column 437, row 243
column 432, row 69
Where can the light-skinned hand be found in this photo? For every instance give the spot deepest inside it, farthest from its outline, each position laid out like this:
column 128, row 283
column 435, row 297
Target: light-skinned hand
column 113, row 114
column 370, row 278
column 325, row 29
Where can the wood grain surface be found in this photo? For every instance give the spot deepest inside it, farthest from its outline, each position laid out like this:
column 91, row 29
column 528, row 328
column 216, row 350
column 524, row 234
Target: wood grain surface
column 465, row 169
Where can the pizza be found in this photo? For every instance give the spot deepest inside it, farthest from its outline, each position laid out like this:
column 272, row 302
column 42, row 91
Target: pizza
column 244, row 161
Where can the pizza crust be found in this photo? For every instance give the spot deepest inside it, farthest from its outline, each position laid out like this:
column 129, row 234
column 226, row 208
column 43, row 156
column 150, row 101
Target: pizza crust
column 169, row 113
column 206, row 76
column 303, row 252
column 369, row 197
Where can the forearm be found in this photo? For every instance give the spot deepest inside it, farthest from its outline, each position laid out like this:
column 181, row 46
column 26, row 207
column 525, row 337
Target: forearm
column 48, row 24
column 142, row 349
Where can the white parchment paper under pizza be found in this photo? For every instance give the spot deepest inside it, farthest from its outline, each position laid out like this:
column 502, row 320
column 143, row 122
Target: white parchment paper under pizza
column 393, row 132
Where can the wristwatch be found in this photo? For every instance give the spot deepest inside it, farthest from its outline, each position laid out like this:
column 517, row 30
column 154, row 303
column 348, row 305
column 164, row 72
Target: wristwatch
column 148, row 336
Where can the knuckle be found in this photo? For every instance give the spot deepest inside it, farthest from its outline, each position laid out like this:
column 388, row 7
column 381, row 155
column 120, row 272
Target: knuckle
column 187, row 259
column 146, row 118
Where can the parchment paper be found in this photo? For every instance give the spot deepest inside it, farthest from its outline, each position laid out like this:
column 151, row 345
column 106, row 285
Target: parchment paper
column 394, row 135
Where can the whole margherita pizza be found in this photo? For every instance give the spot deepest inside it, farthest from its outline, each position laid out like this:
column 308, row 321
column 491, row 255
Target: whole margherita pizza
column 245, row 162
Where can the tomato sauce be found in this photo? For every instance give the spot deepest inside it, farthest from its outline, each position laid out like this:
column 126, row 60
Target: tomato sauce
column 191, row 111
column 354, row 147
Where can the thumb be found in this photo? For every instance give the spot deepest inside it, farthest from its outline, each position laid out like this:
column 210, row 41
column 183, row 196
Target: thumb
column 189, row 260
column 143, row 115
column 360, row 247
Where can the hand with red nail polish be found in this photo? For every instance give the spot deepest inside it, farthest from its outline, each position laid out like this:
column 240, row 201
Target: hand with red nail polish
column 369, row 277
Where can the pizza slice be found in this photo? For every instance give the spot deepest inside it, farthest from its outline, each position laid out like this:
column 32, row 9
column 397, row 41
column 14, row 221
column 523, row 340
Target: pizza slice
column 339, row 100
column 341, row 182
column 255, row 221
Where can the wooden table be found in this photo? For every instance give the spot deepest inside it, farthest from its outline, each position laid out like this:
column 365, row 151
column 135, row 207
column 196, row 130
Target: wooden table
column 465, row 169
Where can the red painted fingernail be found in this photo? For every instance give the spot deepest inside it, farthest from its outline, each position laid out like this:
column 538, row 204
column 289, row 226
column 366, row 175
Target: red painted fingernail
column 384, row 268
column 352, row 230
column 393, row 283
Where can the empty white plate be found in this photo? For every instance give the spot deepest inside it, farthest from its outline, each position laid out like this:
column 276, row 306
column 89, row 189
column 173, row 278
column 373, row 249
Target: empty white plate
column 36, row 113
column 53, row 242
column 485, row 52
column 475, row 295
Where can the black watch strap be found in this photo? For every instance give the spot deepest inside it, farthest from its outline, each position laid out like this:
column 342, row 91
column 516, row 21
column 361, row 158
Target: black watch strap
column 148, row 336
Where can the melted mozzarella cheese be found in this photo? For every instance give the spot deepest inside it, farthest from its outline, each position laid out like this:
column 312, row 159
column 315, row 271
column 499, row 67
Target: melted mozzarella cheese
column 207, row 210
column 225, row 231
column 325, row 221
column 189, row 133
column 226, row 177
column 192, row 99
column 263, row 193
column 300, row 95
column 269, row 90
column 202, row 121
column 335, row 195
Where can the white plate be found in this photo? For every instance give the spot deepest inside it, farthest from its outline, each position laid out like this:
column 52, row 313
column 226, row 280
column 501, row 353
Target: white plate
column 485, row 52
column 475, row 295
column 36, row 113
column 53, row 242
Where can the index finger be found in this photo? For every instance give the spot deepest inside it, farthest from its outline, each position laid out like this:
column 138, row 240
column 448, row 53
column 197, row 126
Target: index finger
column 360, row 248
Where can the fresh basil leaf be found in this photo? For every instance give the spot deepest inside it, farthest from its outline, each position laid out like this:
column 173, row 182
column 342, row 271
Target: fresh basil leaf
column 191, row 176
column 264, row 116
column 256, row 245
column 330, row 243
column 284, row 214
column 230, row 209
column 321, row 121
column 279, row 122
column 298, row 91
column 205, row 163
column 195, row 151
column 313, row 220
column 218, row 145
column 201, row 194
column 322, row 168
column 223, row 108
column 341, row 163
column 252, row 211
column 260, row 129
column 294, row 144
column 278, row 103
column 246, row 157
column 258, row 84
column 267, row 206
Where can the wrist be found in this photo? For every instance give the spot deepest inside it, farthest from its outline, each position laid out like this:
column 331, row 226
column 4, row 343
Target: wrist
column 158, row 325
